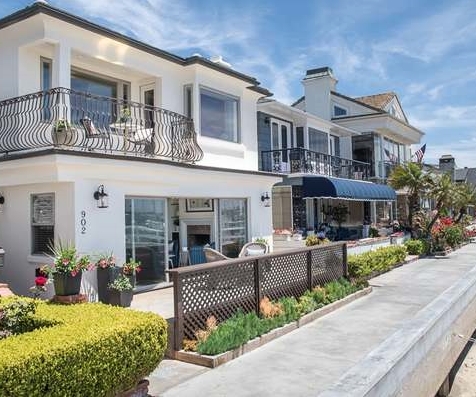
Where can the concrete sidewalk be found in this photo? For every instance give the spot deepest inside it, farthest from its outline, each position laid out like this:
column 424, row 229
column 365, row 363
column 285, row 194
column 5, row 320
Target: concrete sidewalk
column 310, row 359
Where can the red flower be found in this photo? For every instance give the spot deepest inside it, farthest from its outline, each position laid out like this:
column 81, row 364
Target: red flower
column 40, row 281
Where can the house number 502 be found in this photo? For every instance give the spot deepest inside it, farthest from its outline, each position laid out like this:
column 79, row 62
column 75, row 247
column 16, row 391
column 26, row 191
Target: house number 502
column 83, row 222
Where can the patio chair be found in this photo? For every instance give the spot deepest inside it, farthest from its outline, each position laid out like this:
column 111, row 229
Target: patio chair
column 91, row 132
column 212, row 255
column 253, row 248
column 197, row 255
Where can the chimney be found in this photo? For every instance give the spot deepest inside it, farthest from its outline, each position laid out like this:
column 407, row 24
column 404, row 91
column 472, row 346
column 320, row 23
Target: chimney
column 447, row 165
column 318, row 85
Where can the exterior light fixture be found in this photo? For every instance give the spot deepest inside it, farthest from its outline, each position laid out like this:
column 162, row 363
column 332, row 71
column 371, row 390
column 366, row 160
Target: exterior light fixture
column 101, row 197
column 2, row 201
column 265, row 199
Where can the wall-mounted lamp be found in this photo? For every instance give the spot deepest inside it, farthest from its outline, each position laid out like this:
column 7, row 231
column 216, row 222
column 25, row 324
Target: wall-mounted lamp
column 265, row 199
column 101, row 197
column 2, row 201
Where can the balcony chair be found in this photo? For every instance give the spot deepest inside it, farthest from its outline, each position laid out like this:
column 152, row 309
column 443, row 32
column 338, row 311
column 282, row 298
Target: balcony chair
column 91, row 132
column 253, row 248
column 212, row 255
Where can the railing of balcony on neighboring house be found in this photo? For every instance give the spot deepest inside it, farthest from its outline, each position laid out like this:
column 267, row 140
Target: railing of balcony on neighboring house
column 299, row 160
column 67, row 119
column 385, row 168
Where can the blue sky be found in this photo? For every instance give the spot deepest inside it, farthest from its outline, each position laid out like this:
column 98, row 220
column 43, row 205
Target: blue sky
column 425, row 51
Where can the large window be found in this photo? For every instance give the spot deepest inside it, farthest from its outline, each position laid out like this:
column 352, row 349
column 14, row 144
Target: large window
column 219, row 115
column 42, row 223
column 318, row 141
column 233, row 221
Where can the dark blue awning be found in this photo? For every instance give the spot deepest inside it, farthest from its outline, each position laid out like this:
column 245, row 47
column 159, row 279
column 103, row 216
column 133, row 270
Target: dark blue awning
column 347, row 189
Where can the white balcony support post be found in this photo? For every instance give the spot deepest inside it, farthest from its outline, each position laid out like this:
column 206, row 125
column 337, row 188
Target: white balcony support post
column 61, row 77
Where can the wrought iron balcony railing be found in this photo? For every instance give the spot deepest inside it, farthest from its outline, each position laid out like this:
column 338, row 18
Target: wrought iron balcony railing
column 68, row 119
column 299, row 160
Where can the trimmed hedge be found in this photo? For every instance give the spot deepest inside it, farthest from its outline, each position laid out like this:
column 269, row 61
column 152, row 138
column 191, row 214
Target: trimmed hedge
column 379, row 260
column 87, row 350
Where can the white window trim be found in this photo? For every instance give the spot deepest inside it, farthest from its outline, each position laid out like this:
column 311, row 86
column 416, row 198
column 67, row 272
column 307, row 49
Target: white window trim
column 238, row 116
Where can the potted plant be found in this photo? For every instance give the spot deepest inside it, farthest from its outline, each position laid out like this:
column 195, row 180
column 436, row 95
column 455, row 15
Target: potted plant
column 120, row 291
column 125, row 114
column 107, row 271
column 62, row 133
column 130, row 269
column 67, row 269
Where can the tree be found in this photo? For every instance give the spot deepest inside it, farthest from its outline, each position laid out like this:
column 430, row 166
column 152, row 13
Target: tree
column 465, row 195
column 412, row 177
column 442, row 190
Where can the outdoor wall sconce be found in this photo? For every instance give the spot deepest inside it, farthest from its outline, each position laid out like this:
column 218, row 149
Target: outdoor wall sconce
column 2, row 201
column 265, row 199
column 101, row 197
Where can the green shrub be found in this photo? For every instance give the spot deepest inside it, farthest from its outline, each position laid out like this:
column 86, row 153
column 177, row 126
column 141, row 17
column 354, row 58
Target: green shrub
column 91, row 350
column 416, row 247
column 17, row 316
column 454, row 235
column 382, row 259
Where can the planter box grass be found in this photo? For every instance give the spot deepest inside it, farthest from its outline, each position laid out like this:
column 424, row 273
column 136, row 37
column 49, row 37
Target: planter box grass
column 213, row 361
column 81, row 350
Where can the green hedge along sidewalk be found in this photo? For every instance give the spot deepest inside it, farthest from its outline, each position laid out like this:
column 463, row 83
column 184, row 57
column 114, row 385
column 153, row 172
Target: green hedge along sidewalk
column 81, row 350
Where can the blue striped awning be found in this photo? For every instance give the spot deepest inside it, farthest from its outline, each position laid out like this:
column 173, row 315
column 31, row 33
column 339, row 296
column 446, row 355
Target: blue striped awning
column 347, row 189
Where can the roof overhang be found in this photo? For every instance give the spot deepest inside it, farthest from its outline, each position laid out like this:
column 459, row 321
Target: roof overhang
column 346, row 189
column 303, row 118
column 383, row 123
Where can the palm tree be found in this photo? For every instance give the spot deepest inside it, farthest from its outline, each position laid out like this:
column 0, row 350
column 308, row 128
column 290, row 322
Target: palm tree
column 412, row 177
column 442, row 190
column 465, row 195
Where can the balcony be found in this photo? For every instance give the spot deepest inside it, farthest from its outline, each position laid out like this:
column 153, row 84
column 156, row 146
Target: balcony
column 304, row 161
column 71, row 120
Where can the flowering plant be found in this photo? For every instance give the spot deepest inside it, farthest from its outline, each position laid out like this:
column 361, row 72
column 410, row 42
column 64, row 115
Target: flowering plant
column 40, row 286
column 122, row 283
column 130, row 267
column 106, row 261
column 67, row 260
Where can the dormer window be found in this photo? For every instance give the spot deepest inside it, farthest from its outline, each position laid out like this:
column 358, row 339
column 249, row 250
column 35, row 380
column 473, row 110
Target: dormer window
column 339, row 111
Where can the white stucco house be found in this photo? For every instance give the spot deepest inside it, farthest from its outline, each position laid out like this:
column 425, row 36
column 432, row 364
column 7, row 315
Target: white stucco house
column 330, row 147
column 170, row 140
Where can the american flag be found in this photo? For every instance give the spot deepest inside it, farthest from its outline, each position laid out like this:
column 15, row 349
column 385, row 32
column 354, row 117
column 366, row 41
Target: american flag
column 420, row 152
column 391, row 156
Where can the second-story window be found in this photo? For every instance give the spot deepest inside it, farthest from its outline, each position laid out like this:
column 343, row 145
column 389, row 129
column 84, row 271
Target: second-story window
column 338, row 111
column 45, row 74
column 219, row 115
column 318, row 141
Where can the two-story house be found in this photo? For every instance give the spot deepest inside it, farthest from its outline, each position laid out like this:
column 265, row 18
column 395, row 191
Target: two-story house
column 117, row 146
column 331, row 147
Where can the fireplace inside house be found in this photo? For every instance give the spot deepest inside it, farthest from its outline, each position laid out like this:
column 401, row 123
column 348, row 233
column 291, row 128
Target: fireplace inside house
column 198, row 235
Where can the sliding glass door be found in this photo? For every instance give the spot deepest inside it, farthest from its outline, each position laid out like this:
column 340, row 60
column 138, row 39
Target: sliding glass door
column 146, row 237
column 233, row 220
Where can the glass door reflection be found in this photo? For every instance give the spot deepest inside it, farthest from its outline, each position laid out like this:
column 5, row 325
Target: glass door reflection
column 146, row 237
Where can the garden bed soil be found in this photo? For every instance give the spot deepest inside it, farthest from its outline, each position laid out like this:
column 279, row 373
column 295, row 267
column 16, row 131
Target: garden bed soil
column 222, row 358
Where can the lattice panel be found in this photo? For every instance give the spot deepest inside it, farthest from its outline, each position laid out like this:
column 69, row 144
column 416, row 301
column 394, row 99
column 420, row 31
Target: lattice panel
column 327, row 264
column 219, row 291
column 284, row 275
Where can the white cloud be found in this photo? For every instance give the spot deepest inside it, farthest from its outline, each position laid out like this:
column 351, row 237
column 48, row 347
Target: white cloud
column 461, row 149
column 431, row 37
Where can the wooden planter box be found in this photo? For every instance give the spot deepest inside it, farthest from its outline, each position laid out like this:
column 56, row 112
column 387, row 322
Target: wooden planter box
column 222, row 358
